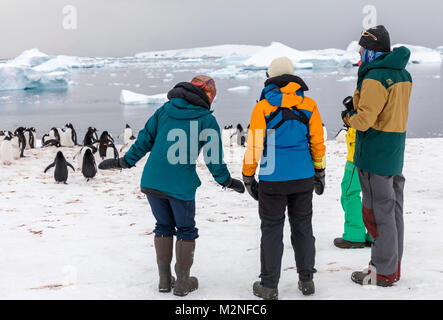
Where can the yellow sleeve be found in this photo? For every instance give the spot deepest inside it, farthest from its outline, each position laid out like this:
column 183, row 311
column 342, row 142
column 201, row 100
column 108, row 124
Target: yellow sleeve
column 318, row 148
column 373, row 97
column 256, row 136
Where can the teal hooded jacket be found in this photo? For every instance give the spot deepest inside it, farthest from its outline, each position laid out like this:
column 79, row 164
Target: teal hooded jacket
column 175, row 136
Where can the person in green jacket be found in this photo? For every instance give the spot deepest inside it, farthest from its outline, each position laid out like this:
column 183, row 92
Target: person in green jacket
column 175, row 135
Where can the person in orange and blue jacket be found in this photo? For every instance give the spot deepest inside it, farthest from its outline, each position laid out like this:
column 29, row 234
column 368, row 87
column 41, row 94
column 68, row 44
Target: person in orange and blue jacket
column 286, row 136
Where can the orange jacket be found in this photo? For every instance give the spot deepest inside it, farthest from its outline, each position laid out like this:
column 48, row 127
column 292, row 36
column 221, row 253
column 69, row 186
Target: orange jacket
column 290, row 139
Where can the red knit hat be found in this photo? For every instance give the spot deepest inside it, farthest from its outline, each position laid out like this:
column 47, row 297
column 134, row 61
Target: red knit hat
column 207, row 84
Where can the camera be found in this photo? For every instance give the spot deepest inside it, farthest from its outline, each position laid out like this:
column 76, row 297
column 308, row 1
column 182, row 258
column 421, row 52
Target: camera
column 348, row 102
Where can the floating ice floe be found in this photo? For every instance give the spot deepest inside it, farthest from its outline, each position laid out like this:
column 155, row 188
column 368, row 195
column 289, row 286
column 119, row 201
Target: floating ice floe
column 240, row 89
column 421, row 55
column 129, row 97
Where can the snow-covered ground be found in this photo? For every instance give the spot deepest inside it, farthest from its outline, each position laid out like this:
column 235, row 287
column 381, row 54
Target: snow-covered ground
column 94, row 240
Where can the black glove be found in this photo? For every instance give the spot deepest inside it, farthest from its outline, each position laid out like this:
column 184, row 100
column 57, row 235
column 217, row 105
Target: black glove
column 319, row 181
column 119, row 163
column 235, row 185
column 251, row 186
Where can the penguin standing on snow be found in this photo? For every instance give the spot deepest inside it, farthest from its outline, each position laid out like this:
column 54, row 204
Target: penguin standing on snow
column 81, row 153
column 111, row 151
column 70, row 136
column 61, row 168
column 105, row 139
column 20, row 133
column 91, row 137
column 6, row 150
column 241, row 135
column 128, row 138
column 30, row 138
column 89, row 166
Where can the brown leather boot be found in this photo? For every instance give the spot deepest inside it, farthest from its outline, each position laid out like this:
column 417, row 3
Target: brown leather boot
column 163, row 248
column 184, row 252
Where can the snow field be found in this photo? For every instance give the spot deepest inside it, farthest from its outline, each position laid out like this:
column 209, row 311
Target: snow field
column 94, row 240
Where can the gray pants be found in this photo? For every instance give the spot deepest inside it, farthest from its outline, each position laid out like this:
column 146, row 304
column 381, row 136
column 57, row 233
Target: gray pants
column 383, row 218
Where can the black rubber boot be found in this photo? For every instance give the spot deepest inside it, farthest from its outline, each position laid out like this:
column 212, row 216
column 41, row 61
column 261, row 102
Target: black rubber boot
column 259, row 290
column 184, row 251
column 163, row 248
column 344, row 244
column 306, row 287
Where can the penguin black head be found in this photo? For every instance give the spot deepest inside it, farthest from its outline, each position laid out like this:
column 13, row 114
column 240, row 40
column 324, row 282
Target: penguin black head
column 59, row 155
column 239, row 127
column 127, row 126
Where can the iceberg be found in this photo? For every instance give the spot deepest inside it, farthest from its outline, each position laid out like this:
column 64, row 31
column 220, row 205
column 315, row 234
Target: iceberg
column 132, row 98
column 226, row 51
column 303, row 59
column 421, row 55
column 30, row 58
column 34, row 70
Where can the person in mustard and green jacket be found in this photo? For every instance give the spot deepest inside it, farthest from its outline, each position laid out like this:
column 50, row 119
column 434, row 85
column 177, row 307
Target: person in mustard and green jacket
column 286, row 136
column 355, row 234
column 381, row 103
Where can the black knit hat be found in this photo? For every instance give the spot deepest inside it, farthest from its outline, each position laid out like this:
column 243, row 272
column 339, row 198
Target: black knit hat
column 376, row 39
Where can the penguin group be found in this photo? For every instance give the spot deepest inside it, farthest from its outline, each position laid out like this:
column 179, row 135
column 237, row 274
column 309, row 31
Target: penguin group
column 14, row 144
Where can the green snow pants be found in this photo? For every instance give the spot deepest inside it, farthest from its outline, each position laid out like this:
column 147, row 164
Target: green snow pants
column 355, row 230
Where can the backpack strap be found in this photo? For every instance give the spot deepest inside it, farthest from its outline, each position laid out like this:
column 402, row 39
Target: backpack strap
column 289, row 114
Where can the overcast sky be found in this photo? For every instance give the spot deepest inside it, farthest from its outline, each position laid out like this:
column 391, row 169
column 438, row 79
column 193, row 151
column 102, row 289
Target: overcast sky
column 125, row 27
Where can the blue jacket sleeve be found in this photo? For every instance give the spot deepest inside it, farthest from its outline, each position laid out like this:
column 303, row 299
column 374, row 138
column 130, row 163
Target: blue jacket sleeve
column 145, row 141
column 213, row 151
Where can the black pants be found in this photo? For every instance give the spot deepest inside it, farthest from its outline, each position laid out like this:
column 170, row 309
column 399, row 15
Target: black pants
column 274, row 198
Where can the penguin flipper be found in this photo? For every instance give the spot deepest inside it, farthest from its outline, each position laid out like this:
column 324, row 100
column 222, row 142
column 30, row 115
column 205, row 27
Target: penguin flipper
column 70, row 165
column 49, row 167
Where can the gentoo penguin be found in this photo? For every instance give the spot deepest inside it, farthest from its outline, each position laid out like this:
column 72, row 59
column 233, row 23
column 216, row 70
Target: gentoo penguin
column 16, row 146
column 80, row 154
column 341, row 135
column 111, row 151
column 54, row 134
column 241, row 135
column 51, row 143
column 127, row 134
column 30, row 138
column 70, row 136
column 61, row 168
column 325, row 132
column 128, row 138
column 20, row 133
column 89, row 166
column 91, row 137
column 105, row 139
column 227, row 133
column 6, row 154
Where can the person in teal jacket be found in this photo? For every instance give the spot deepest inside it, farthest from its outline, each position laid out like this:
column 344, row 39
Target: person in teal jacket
column 175, row 135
